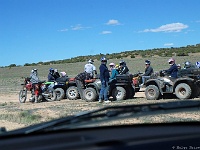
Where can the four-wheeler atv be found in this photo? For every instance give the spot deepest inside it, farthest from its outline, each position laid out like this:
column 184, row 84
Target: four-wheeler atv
column 120, row 89
column 186, row 86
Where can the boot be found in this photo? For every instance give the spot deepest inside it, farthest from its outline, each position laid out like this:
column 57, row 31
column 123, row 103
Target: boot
column 36, row 99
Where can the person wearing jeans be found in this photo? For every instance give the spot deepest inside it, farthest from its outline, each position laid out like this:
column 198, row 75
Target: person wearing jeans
column 104, row 77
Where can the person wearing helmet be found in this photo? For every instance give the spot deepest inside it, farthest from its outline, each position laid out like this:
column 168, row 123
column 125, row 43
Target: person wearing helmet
column 148, row 71
column 173, row 70
column 104, row 77
column 114, row 71
column 63, row 78
column 90, row 68
column 123, row 68
column 112, row 65
column 34, row 79
column 51, row 77
column 188, row 65
column 197, row 64
column 56, row 74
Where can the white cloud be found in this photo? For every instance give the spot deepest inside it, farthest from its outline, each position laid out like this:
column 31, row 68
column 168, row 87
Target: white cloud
column 106, row 32
column 113, row 22
column 63, row 30
column 78, row 27
column 173, row 27
column 168, row 44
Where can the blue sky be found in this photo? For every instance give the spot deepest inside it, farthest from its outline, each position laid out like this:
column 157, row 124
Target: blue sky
column 43, row 30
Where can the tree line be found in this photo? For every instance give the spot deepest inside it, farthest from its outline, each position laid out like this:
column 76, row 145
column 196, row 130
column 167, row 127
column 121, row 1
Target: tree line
column 161, row 52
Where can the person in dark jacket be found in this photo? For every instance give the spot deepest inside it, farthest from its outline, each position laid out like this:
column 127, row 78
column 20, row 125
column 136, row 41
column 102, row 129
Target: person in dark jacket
column 51, row 77
column 63, row 78
column 173, row 70
column 80, row 82
column 104, row 77
column 148, row 71
column 123, row 67
column 56, row 74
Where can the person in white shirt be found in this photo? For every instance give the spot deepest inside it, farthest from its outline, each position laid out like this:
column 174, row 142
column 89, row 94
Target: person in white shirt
column 90, row 68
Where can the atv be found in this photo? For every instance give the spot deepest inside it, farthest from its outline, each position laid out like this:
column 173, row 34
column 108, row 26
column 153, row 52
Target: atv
column 120, row 89
column 186, row 86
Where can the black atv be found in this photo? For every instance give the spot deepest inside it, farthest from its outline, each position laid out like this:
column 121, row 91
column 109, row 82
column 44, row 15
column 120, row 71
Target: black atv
column 120, row 89
column 186, row 86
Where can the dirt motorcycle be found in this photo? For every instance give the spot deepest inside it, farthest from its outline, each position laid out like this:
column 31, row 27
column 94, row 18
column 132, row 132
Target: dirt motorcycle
column 41, row 90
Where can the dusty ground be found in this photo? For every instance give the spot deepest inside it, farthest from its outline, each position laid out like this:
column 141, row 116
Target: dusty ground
column 9, row 103
column 10, row 108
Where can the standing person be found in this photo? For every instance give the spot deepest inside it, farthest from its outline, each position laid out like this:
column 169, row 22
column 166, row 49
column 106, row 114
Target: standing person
column 90, row 68
column 148, row 71
column 173, row 70
column 80, row 82
column 34, row 79
column 51, row 77
column 123, row 68
column 104, row 77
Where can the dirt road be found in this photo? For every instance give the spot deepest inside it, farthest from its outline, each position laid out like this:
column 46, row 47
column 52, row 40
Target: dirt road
column 10, row 106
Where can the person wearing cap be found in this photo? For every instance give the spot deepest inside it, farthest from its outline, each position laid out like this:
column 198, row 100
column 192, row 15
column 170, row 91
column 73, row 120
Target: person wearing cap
column 63, row 78
column 90, row 68
column 104, row 77
column 173, row 70
column 148, row 71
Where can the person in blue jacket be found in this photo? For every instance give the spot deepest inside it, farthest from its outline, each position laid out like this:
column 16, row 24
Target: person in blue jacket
column 104, row 77
column 173, row 70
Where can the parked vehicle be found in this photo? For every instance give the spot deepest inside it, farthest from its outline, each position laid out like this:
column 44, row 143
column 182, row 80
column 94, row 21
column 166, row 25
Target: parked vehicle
column 43, row 90
column 186, row 86
column 120, row 89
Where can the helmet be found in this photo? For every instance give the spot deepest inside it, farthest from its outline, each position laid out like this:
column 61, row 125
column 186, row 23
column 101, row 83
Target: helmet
column 111, row 64
column 34, row 70
column 90, row 61
column 103, row 59
column 171, row 61
column 63, row 73
column 187, row 64
column 51, row 70
column 122, row 62
column 198, row 64
column 117, row 66
column 147, row 62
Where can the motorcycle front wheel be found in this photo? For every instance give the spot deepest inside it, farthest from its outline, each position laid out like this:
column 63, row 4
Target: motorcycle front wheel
column 22, row 96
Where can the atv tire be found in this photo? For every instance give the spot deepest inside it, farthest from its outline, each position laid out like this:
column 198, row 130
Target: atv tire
column 52, row 96
column 119, row 93
column 72, row 93
column 152, row 92
column 22, row 96
column 60, row 93
column 183, row 91
column 90, row 94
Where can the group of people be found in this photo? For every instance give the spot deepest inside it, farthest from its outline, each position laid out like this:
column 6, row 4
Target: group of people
column 107, row 75
column 52, row 76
